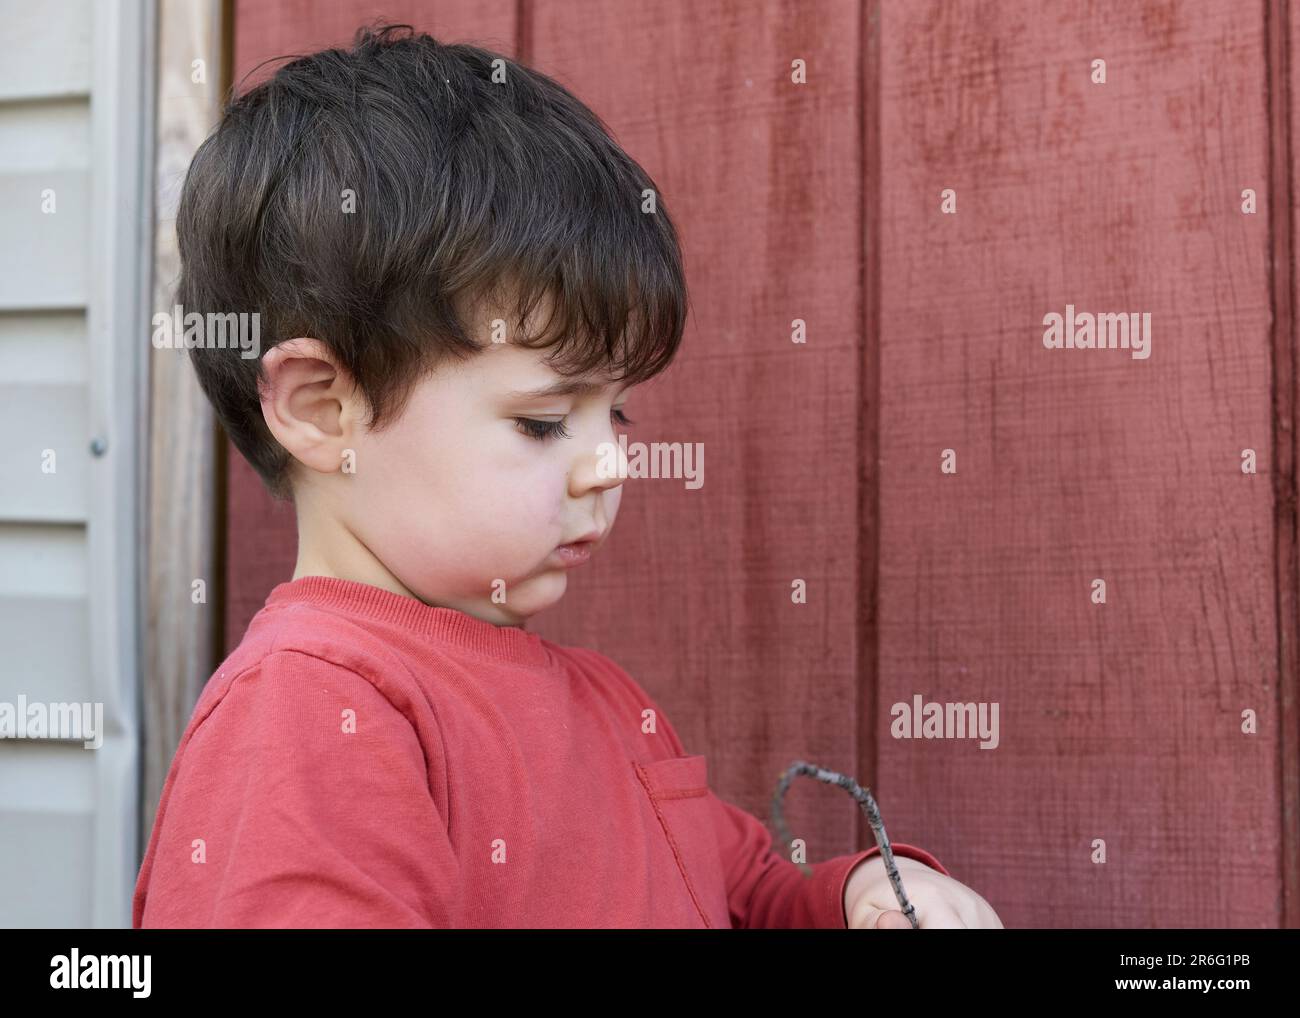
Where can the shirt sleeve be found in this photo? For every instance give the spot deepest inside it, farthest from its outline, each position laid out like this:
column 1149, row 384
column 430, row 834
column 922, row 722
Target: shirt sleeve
column 765, row 890
column 303, row 799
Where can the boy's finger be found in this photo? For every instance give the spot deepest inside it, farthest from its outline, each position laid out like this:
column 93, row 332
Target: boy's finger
column 884, row 919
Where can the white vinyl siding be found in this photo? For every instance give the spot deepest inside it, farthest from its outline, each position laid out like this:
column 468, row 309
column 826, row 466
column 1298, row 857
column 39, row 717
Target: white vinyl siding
column 75, row 100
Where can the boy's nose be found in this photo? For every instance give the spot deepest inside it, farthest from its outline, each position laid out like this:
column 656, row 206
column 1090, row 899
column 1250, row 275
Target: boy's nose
column 600, row 468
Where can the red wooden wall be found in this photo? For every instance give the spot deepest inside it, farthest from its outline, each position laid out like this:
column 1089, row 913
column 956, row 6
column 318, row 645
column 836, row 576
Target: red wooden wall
column 1118, row 721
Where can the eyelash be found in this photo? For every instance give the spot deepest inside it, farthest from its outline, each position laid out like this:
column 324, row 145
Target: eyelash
column 543, row 430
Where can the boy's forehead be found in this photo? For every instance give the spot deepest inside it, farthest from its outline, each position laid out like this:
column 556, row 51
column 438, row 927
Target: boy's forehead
column 561, row 386
column 522, row 372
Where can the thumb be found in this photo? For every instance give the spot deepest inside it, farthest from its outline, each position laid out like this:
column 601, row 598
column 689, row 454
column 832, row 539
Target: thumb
column 884, row 919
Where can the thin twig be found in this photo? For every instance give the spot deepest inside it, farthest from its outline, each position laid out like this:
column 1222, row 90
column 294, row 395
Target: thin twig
column 865, row 800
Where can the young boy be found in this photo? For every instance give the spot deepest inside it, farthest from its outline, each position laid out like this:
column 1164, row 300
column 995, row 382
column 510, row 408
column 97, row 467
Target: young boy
column 458, row 284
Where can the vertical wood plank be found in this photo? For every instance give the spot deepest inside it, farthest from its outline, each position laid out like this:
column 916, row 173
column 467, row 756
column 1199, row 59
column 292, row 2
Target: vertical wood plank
column 692, row 595
column 1121, row 721
column 181, row 636
column 869, row 461
column 1282, row 36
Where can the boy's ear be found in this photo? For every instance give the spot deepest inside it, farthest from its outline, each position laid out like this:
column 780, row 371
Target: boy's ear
column 310, row 403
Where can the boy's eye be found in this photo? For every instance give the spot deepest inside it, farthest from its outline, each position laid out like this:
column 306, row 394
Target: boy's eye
column 542, row 430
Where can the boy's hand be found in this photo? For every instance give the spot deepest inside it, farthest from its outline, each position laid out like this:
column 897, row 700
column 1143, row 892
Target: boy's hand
column 940, row 901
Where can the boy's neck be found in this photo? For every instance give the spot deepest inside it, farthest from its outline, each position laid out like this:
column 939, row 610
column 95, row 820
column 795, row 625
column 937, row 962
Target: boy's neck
column 342, row 556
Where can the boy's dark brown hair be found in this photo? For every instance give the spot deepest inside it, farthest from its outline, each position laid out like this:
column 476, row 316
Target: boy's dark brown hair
column 473, row 178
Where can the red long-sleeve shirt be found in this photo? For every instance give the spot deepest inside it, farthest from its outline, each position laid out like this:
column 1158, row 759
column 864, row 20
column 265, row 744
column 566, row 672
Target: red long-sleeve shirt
column 363, row 759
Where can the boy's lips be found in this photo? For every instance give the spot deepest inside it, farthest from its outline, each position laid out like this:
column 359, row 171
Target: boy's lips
column 578, row 551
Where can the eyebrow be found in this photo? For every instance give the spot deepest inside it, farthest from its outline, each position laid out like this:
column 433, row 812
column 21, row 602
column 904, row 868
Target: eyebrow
column 564, row 387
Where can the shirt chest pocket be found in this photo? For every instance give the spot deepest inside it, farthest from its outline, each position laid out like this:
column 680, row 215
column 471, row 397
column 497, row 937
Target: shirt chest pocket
column 678, row 791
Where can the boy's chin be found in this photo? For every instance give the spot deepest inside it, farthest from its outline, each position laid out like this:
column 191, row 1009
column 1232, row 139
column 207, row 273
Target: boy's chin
column 523, row 599
column 537, row 593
